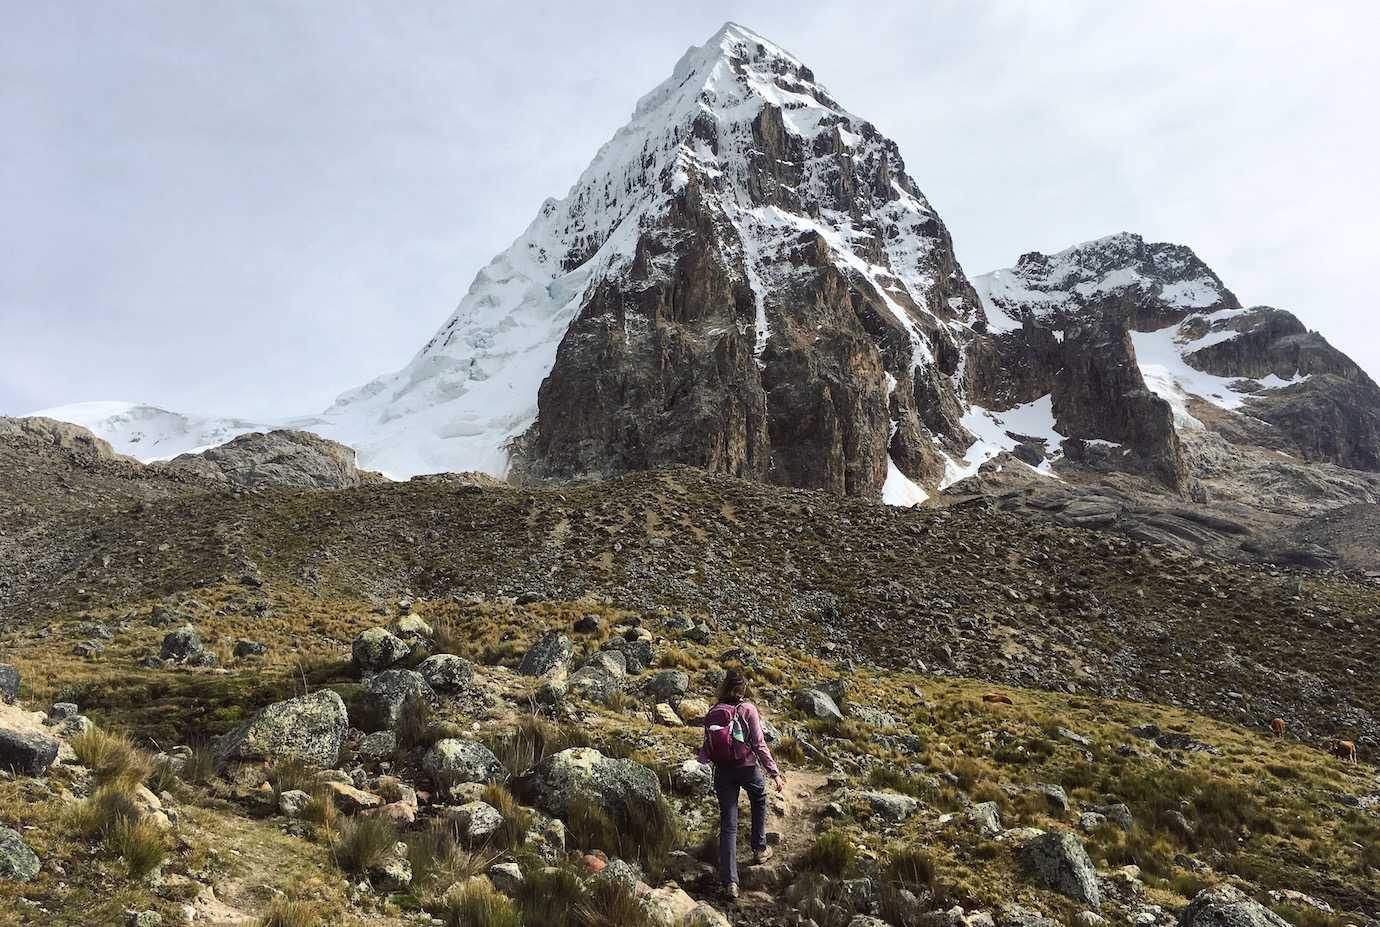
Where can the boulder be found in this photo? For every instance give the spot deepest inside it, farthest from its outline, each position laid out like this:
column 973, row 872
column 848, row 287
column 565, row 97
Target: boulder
column 891, row 806
column 987, row 816
column 352, row 800
column 18, row 863
column 411, row 628
column 588, row 624
column 376, row 649
column 1056, row 796
column 665, row 714
column 693, row 710
column 181, row 645
column 1227, row 906
column 476, row 821
column 612, row 662
column 1118, row 814
column 1057, row 861
column 693, row 778
column 384, row 698
column 667, row 686
column 637, row 653
column 309, row 727
column 445, row 672
column 293, row 803
column 452, row 761
column 27, row 753
column 9, row 683
column 247, row 648
column 817, row 704
column 295, row 459
column 594, row 684
column 549, row 657
column 626, row 791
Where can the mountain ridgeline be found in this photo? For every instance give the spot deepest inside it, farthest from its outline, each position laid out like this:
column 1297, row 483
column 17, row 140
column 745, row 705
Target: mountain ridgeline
column 747, row 280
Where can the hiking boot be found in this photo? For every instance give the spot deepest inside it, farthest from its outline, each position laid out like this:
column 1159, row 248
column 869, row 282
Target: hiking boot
column 761, row 856
column 731, row 890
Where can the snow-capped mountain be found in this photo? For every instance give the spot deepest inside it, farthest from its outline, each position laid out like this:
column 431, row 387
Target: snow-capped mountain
column 746, row 279
column 149, row 433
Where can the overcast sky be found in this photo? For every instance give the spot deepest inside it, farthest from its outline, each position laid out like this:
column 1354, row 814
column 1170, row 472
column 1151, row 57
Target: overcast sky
column 249, row 207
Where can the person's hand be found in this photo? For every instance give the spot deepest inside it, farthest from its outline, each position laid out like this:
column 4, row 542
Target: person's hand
column 780, row 782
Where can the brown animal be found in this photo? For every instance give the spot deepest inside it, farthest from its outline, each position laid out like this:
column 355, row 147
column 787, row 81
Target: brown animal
column 1277, row 726
column 996, row 698
column 1344, row 750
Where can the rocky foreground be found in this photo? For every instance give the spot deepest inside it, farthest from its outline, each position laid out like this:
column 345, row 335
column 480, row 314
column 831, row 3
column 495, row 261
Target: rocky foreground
column 232, row 698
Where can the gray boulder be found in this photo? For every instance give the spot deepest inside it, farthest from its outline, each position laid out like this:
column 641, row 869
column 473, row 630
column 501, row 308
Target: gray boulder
column 9, row 683
column 624, row 790
column 593, row 683
column 25, row 753
column 476, row 822
column 452, row 762
column 549, row 657
column 987, row 816
column 309, row 728
column 1227, row 906
column 612, row 662
column 182, row 645
column 637, row 653
column 18, row 863
column 247, row 648
column 1056, row 796
column 1118, row 814
column 817, row 704
column 377, row 649
column 296, row 459
column 384, row 698
column 1057, row 861
column 445, row 672
column 891, row 806
column 667, row 686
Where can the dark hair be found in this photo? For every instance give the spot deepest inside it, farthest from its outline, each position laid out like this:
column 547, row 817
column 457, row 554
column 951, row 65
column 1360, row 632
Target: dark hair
column 734, row 688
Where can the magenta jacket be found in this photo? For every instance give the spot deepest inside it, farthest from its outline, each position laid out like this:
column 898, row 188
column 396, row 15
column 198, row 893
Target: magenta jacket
column 752, row 720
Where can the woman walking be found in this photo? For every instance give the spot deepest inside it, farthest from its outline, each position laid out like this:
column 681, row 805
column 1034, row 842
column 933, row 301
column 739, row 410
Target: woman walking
column 735, row 745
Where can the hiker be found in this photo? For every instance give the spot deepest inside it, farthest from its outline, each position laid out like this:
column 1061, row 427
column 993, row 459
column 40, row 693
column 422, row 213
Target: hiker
column 734, row 744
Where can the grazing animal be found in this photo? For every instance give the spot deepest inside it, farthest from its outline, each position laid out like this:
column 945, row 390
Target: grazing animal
column 1344, row 750
column 996, row 698
column 1277, row 726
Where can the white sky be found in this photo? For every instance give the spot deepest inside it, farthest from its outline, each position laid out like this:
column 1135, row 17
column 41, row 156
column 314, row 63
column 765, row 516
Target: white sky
column 246, row 208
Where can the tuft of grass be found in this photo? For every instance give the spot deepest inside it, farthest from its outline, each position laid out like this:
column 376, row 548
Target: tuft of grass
column 110, row 805
column 362, row 843
column 530, row 741
column 321, row 809
column 438, row 861
column 477, row 904
column 609, row 903
column 832, row 854
column 414, row 724
column 111, row 756
column 517, row 821
column 202, row 763
column 590, row 828
column 789, row 750
column 289, row 774
column 140, row 843
column 288, row 913
column 911, row 867
column 552, row 897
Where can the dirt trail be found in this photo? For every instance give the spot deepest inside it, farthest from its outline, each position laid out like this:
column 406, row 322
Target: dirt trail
column 793, row 815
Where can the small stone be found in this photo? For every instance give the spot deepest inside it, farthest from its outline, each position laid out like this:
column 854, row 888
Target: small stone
column 26, row 753
column 18, row 863
column 293, row 803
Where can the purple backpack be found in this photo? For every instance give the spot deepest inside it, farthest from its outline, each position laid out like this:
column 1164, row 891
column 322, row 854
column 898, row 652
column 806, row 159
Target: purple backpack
column 725, row 735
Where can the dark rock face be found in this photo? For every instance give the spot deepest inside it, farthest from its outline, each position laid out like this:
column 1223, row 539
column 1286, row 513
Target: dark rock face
column 27, row 754
column 784, row 317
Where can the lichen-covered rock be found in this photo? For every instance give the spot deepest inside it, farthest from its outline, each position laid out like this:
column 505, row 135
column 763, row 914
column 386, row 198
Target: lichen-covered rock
column 377, row 649
column 817, row 704
column 549, row 657
column 246, row 648
column 1228, row 906
column 26, row 752
column 624, row 790
column 385, row 697
column 987, row 816
column 891, row 806
column 181, row 645
column 593, row 683
column 612, row 662
column 667, row 686
column 309, row 728
column 295, row 459
column 18, row 863
column 452, row 761
column 445, row 672
column 9, row 683
column 638, row 653
column 412, row 628
column 476, row 822
column 1057, row 861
